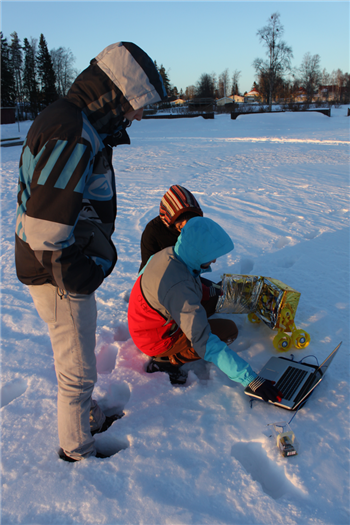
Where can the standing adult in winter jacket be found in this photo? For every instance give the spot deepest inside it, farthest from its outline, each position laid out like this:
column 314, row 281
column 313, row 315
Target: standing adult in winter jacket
column 166, row 318
column 65, row 221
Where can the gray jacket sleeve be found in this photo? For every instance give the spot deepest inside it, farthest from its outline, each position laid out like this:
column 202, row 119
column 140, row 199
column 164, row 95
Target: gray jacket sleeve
column 183, row 302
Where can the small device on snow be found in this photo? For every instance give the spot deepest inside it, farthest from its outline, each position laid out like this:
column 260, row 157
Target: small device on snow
column 286, row 442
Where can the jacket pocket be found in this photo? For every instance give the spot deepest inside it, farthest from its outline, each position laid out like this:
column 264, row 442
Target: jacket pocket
column 95, row 243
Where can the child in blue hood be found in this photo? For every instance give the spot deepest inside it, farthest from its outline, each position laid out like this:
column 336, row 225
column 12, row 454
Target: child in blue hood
column 167, row 320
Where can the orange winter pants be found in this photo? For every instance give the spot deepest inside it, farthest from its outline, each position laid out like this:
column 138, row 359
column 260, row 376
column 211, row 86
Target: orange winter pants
column 182, row 352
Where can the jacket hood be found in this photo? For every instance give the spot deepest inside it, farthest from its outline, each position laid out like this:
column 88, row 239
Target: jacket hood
column 120, row 78
column 201, row 240
column 176, row 201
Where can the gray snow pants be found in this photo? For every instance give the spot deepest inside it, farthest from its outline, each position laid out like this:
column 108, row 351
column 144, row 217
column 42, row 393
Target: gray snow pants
column 71, row 319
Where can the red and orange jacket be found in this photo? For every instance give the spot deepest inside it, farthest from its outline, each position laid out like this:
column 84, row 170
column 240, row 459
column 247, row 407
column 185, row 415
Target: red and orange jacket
column 151, row 331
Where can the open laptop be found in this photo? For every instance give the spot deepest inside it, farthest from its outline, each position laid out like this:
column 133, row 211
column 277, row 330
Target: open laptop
column 295, row 380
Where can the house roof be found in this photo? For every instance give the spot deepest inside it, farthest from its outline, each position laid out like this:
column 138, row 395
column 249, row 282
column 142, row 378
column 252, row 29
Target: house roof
column 254, row 92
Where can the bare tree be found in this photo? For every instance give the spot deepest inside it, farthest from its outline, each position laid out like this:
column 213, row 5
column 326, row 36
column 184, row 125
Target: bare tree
column 62, row 61
column 341, row 82
column 215, row 85
column 224, row 81
column 325, row 82
column 325, row 78
column 347, row 88
column 278, row 53
column 235, row 79
column 310, row 74
column 190, row 92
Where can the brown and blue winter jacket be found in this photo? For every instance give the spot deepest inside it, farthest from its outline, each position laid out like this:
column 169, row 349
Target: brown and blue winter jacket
column 66, row 205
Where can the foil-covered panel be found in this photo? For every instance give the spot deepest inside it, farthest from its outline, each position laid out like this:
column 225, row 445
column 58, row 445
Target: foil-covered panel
column 263, row 296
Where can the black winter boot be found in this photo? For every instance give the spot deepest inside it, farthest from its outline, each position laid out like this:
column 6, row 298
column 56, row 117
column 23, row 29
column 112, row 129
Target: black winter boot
column 162, row 364
column 108, row 422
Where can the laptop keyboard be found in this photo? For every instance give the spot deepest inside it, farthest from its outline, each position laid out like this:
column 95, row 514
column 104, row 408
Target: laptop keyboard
column 309, row 383
column 290, row 381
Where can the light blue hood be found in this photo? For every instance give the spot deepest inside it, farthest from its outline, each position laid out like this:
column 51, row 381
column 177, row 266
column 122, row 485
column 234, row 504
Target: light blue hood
column 201, row 241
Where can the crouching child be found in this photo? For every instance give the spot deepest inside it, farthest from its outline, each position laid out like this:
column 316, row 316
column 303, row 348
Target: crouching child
column 167, row 320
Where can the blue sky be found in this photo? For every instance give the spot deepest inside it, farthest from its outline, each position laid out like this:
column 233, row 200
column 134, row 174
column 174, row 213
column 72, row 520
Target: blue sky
column 188, row 38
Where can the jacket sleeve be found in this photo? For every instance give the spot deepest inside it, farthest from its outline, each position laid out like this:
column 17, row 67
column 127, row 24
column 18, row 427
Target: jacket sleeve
column 156, row 237
column 229, row 362
column 183, row 303
column 149, row 244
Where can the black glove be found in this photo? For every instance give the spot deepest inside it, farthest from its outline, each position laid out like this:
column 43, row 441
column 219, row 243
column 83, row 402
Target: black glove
column 211, row 291
column 265, row 389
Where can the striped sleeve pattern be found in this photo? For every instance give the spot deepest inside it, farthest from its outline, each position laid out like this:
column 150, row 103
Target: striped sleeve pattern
column 52, row 180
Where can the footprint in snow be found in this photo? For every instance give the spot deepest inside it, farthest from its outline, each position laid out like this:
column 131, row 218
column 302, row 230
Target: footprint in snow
column 311, row 235
column 126, row 296
column 286, row 262
column 106, row 358
column 282, row 242
column 271, row 476
column 12, row 390
column 109, row 444
column 247, row 266
column 291, row 220
column 121, row 333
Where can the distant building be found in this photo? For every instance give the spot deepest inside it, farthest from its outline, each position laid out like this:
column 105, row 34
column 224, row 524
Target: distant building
column 332, row 92
column 229, row 100
column 177, row 102
column 300, row 95
column 252, row 96
column 223, row 101
column 238, row 98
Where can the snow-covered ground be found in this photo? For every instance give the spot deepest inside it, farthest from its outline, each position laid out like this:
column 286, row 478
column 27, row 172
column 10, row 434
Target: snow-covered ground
column 199, row 454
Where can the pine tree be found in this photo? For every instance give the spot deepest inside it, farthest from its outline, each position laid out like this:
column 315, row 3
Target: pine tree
column 8, row 91
column 205, row 87
column 46, row 74
column 165, row 78
column 17, row 61
column 30, row 85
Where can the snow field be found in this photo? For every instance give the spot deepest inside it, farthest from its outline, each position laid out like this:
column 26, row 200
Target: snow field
column 199, row 454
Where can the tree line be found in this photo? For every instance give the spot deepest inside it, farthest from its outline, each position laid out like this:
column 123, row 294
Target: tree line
column 32, row 77
column 271, row 73
column 276, row 79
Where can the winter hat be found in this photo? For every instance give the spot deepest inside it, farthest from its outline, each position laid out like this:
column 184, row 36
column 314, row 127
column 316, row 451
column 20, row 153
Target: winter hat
column 176, row 201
